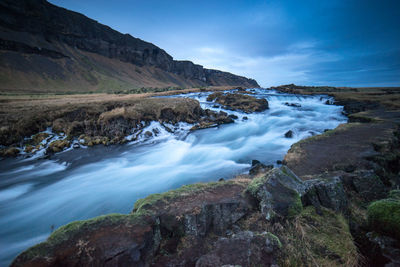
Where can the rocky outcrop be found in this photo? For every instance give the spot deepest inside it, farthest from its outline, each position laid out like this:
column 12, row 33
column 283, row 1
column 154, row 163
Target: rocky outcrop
column 238, row 101
column 112, row 240
column 213, row 119
column 220, row 223
column 107, row 123
column 39, row 28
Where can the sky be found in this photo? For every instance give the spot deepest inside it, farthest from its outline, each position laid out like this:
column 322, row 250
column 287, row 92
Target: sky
column 307, row 42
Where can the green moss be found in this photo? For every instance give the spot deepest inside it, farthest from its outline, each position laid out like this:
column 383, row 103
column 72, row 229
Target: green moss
column 395, row 194
column 317, row 240
column 384, row 217
column 255, row 185
column 274, row 239
column 296, row 207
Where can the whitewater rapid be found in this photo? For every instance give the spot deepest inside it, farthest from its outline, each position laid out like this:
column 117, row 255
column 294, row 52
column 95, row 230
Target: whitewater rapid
column 39, row 195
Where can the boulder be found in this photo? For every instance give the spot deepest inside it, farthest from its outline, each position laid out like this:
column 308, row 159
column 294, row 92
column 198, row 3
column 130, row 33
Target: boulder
column 295, row 105
column 57, row 146
column 278, row 193
column 384, row 217
column 212, row 119
column 327, row 192
column 289, row 134
column 39, row 138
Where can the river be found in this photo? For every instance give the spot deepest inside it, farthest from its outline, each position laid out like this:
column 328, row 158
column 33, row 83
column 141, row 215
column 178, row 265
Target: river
column 38, row 195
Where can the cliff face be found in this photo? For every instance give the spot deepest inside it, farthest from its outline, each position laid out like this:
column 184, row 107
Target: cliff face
column 48, row 35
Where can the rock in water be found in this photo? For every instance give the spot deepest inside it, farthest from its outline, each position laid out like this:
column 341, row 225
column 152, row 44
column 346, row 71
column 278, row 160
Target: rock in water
column 237, row 101
column 257, row 167
column 289, row 134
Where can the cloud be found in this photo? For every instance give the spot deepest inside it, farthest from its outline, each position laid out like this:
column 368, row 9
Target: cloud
column 289, row 67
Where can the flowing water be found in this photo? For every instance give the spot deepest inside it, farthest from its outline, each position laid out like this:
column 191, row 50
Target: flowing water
column 39, row 195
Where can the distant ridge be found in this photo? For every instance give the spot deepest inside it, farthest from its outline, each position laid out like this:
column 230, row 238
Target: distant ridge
column 45, row 48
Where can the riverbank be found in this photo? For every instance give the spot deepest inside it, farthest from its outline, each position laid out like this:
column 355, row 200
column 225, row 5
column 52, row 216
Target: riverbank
column 317, row 218
column 94, row 118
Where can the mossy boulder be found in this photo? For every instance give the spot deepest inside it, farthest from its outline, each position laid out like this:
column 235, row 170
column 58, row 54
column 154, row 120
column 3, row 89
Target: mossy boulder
column 57, row 146
column 278, row 193
column 29, row 148
column 384, row 217
column 39, row 138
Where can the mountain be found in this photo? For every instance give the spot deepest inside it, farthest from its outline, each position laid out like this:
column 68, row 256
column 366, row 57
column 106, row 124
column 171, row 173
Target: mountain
column 45, row 48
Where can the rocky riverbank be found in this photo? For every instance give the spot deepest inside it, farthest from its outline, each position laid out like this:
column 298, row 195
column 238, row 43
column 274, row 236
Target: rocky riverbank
column 334, row 202
column 107, row 122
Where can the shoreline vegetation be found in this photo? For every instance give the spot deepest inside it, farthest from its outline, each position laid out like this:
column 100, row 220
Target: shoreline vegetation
column 333, row 202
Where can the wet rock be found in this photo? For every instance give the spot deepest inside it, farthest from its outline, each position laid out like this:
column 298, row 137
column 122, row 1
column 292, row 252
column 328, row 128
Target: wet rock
column 257, row 167
column 38, row 138
column 148, row 134
column 327, row 192
column 295, row 105
column 232, row 116
column 289, row 134
column 76, row 145
column 156, row 131
column 212, row 119
column 243, row 249
column 245, row 118
column 29, row 148
column 239, row 101
column 57, row 146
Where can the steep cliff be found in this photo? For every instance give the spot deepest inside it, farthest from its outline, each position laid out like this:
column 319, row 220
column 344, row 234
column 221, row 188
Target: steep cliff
column 43, row 46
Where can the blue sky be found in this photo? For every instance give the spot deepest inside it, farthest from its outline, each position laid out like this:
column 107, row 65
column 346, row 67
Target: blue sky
column 308, row 42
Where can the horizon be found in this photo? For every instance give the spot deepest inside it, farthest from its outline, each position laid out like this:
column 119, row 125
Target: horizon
column 353, row 44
